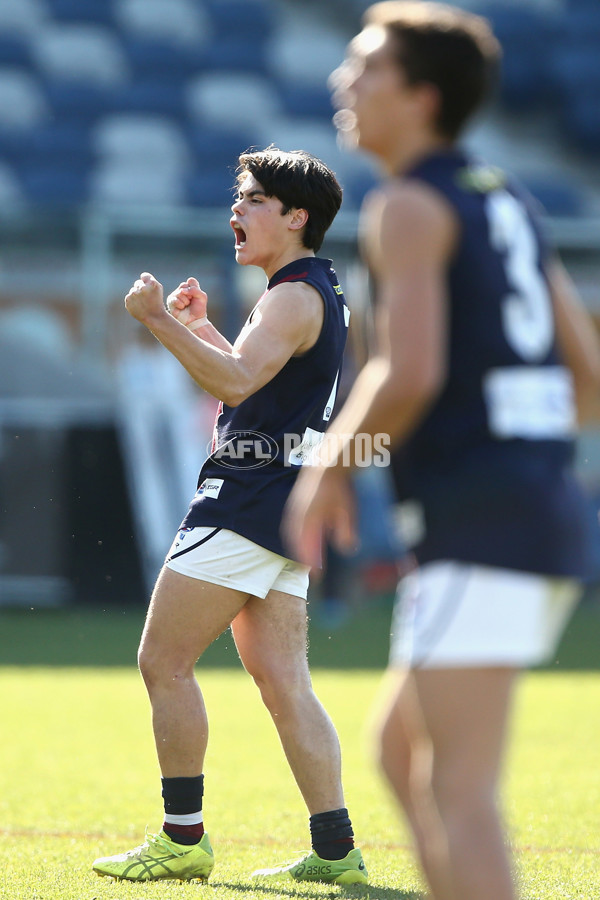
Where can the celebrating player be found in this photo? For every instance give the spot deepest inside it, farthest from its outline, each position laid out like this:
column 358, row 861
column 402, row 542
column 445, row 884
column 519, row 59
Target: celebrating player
column 484, row 357
column 227, row 565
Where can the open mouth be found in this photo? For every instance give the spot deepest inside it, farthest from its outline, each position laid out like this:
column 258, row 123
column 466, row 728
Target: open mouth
column 240, row 236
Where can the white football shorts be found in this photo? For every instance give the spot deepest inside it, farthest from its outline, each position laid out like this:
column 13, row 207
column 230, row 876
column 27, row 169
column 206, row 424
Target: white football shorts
column 450, row 614
column 223, row 557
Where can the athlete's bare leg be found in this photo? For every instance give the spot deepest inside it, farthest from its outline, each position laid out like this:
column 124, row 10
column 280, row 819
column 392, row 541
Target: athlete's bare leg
column 463, row 714
column 270, row 636
column 185, row 616
column 404, row 753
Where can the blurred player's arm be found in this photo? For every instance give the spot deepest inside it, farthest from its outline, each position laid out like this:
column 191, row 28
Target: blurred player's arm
column 578, row 340
column 287, row 322
column 410, row 234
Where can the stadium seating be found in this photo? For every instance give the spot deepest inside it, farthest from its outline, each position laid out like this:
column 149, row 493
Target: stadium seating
column 306, row 56
column 61, row 186
column 141, row 158
column 211, row 187
column 78, row 103
column 14, row 51
column 253, row 18
column 54, row 164
column 98, row 11
column 12, row 198
column 529, row 38
column 184, row 22
column 224, row 75
column 150, row 95
column 577, row 76
column 159, row 59
column 235, row 53
column 25, row 17
column 138, row 136
column 224, row 98
column 357, row 184
column 558, row 197
column 317, row 137
column 551, row 62
column 22, row 102
column 215, row 147
column 581, row 117
column 51, row 339
column 55, row 141
column 86, row 53
column 306, row 101
column 131, row 182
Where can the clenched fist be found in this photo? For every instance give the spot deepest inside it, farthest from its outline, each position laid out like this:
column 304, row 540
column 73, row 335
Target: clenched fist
column 188, row 302
column 144, row 301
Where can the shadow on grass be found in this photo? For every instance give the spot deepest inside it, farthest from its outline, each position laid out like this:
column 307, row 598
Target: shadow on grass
column 359, row 891
column 91, row 636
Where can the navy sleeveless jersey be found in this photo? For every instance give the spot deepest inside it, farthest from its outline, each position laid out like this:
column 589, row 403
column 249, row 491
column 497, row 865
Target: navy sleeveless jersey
column 259, row 446
column 489, row 469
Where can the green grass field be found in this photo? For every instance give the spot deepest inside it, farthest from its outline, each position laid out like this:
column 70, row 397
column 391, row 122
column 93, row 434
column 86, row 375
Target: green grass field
column 79, row 777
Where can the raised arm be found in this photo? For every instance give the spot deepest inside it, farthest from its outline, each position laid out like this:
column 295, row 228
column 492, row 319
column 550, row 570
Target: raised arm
column 410, row 236
column 287, row 322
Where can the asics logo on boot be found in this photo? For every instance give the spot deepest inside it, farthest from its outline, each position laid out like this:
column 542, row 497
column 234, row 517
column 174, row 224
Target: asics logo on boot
column 318, row 871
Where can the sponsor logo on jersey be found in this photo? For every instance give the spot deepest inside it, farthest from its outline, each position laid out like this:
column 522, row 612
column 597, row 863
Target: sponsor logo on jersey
column 302, row 451
column 210, row 487
column 245, row 450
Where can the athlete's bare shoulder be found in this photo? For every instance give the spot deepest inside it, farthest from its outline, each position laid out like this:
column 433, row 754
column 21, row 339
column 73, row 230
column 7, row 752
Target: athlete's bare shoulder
column 299, row 291
column 403, row 217
column 297, row 303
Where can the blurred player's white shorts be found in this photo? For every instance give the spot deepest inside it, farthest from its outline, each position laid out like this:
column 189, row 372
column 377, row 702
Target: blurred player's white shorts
column 451, row 614
column 226, row 558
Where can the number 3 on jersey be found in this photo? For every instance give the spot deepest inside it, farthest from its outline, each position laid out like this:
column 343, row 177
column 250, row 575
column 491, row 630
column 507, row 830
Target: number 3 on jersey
column 527, row 316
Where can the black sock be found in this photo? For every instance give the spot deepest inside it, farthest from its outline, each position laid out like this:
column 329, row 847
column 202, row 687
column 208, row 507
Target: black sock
column 331, row 834
column 183, row 809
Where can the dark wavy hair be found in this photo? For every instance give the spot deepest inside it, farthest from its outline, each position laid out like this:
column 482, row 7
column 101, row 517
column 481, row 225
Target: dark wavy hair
column 300, row 181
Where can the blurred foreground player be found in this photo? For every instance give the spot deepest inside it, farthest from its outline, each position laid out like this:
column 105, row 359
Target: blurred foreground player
column 484, row 357
column 227, row 564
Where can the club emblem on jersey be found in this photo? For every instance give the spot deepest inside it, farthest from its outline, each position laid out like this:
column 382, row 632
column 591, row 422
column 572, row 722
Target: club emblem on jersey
column 245, row 450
